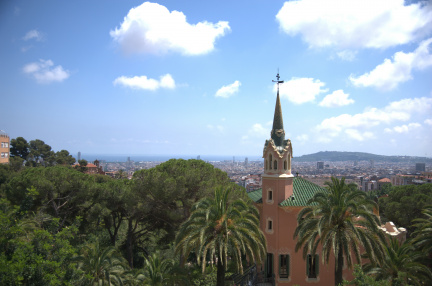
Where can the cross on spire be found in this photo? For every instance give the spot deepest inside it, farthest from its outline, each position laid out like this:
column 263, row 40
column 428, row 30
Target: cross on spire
column 278, row 81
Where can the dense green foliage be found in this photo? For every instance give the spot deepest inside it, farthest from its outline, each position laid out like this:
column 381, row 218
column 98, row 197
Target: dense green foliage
column 37, row 153
column 342, row 221
column 60, row 226
column 404, row 204
column 219, row 229
column 362, row 279
column 399, row 265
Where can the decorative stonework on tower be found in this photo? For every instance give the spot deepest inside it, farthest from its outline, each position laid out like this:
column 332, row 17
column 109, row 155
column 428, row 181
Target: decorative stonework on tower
column 277, row 180
column 277, row 151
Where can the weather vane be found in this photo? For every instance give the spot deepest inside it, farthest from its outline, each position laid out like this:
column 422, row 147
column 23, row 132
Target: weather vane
column 278, row 81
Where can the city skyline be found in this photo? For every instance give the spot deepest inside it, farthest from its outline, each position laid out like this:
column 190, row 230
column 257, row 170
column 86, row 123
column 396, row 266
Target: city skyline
column 195, row 78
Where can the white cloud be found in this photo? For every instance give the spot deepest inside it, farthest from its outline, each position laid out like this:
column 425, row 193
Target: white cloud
column 352, row 124
column 356, row 23
column 152, row 28
column 142, row 82
column 347, row 55
column 336, row 99
column 301, row 90
column 357, row 135
column 166, row 81
column 390, row 73
column 228, row 90
column 33, row 34
column 302, row 138
column 44, row 71
column 428, row 122
column 403, row 128
column 257, row 131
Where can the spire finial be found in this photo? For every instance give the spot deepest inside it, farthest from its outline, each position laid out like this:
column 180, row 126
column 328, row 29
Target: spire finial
column 278, row 81
column 278, row 133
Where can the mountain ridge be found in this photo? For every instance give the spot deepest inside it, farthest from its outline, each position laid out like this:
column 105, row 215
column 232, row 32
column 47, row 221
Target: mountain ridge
column 333, row 156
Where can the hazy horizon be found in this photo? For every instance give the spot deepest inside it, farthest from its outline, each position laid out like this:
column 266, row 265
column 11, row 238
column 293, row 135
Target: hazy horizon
column 162, row 157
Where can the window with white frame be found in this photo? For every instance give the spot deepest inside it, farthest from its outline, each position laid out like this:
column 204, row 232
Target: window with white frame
column 270, row 225
column 270, row 195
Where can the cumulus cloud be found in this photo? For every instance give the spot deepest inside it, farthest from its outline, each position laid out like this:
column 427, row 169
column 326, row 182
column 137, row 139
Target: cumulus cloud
column 152, row 28
column 257, row 131
column 302, row 138
column 142, row 82
column 336, row 99
column 347, row 55
column 357, row 135
column 228, row 90
column 428, row 122
column 301, row 90
column 356, row 23
column 44, row 71
column 403, row 128
column 356, row 126
column 390, row 73
column 33, row 34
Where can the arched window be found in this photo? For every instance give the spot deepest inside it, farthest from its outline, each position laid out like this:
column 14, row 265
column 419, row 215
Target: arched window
column 285, row 165
column 270, row 161
column 275, row 164
column 265, row 165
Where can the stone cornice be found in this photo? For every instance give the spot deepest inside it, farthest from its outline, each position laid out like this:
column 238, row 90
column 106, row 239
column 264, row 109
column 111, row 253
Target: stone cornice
column 288, row 147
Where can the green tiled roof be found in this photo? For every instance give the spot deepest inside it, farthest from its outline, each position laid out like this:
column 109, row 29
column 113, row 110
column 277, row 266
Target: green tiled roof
column 303, row 192
column 256, row 196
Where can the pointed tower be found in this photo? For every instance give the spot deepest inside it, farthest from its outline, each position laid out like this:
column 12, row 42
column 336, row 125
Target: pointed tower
column 277, row 154
column 277, row 184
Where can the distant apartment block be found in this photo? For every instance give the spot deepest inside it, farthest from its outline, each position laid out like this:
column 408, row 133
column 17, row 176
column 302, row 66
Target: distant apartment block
column 383, row 182
column 4, row 148
column 401, row 180
column 420, row 167
column 320, row 165
column 368, row 186
column 251, row 182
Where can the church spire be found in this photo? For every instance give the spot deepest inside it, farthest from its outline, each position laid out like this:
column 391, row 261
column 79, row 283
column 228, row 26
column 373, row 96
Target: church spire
column 278, row 133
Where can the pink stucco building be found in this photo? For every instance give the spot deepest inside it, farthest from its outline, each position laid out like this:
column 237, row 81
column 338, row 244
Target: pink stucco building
column 280, row 200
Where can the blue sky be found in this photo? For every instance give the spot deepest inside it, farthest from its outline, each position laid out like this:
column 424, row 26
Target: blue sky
column 195, row 77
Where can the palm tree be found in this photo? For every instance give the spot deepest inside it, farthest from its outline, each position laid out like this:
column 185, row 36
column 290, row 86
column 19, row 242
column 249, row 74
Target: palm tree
column 342, row 221
column 423, row 233
column 133, row 277
column 218, row 229
column 423, row 236
column 157, row 270
column 399, row 265
column 102, row 266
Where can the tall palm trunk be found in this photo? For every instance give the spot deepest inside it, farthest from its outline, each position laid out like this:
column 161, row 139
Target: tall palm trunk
column 129, row 244
column 220, row 273
column 339, row 266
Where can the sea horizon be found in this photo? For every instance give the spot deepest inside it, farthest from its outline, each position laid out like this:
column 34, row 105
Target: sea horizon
column 163, row 158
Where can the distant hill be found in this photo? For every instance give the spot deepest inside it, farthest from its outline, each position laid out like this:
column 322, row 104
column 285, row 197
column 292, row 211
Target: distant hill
column 333, row 156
